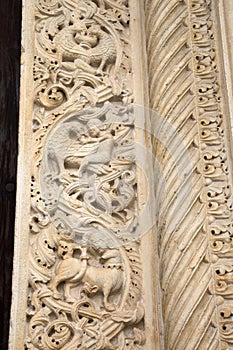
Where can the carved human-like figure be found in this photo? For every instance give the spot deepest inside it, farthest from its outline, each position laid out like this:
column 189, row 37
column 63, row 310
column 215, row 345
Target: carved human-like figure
column 101, row 153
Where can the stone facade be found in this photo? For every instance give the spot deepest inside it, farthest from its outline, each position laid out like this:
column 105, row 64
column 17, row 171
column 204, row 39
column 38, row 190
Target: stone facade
column 124, row 214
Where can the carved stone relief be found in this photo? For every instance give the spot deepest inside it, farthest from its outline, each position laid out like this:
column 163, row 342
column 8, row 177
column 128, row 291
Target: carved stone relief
column 195, row 210
column 85, row 274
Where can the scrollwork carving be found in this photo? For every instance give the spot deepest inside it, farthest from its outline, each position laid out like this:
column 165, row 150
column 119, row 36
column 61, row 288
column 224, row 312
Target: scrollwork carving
column 82, row 52
column 215, row 164
column 85, row 284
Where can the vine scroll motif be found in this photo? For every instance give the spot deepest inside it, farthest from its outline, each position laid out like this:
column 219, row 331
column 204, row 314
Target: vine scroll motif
column 85, row 279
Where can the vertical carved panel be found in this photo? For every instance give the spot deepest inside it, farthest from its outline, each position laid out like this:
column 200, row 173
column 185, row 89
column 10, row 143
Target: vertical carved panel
column 195, row 210
column 81, row 268
column 85, row 271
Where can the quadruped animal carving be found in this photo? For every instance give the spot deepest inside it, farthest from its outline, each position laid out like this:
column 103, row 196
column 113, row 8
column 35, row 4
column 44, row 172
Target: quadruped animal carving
column 107, row 278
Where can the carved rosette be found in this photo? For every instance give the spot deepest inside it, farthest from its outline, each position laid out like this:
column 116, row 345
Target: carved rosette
column 85, row 284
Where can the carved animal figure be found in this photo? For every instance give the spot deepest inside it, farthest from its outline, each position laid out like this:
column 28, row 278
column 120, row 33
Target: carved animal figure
column 96, row 47
column 107, row 278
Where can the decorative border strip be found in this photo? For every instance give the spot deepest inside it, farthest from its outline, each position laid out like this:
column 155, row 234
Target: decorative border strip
column 214, row 165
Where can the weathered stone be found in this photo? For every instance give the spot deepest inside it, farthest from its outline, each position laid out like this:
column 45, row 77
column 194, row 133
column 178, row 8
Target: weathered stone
column 124, row 229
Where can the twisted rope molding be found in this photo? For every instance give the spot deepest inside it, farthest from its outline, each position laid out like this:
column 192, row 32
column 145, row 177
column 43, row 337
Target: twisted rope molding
column 195, row 212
